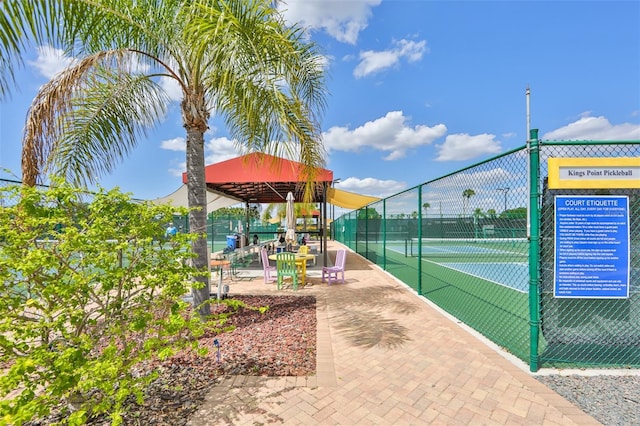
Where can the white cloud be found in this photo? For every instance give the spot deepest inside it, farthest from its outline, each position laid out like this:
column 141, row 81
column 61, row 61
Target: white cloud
column 219, row 149
column 175, row 144
column 50, row 61
column 594, row 128
column 463, row 146
column 178, row 169
column 171, row 88
column 216, row 150
column 371, row 186
column 389, row 133
column 372, row 62
column 343, row 20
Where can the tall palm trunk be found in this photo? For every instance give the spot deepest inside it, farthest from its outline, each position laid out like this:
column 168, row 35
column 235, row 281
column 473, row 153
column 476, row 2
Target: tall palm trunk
column 195, row 118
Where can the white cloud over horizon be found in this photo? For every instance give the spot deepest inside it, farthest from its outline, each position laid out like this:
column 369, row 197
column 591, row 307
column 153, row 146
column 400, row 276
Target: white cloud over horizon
column 594, row 128
column 371, row 186
column 389, row 134
column 462, row 146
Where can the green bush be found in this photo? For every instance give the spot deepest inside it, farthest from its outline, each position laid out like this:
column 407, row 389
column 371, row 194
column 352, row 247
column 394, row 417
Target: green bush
column 91, row 292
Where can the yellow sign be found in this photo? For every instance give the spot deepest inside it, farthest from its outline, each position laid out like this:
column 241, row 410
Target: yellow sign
column 594, row 173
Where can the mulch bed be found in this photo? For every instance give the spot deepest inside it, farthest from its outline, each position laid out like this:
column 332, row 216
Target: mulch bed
column 280, row 342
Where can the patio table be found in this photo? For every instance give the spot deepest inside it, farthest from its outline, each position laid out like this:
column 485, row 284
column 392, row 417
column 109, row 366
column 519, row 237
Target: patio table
column 301, row 262
column 220, row 264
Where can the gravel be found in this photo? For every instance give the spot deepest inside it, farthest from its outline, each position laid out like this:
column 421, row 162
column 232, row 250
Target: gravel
column 610, row 399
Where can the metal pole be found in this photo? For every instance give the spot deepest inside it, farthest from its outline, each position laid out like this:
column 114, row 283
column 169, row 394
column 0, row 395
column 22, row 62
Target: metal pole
column 534, row 251
column 323, row 239
column 419, row 289
column 504, row 192
column 333, row 219
column 528, row 98
column 333, row 209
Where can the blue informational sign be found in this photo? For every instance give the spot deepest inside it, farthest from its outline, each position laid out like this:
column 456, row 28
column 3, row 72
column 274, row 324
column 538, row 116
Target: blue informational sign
column 592, row 247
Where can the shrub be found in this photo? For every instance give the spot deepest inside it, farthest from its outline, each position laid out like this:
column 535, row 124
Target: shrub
column 91, row 293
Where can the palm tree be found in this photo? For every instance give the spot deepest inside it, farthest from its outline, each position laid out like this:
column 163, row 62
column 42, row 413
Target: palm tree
column 236, row 59
column 301, row 210
column 425, row 207
column 466, row 195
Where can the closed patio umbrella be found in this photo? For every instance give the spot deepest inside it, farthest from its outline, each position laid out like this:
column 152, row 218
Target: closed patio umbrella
column 290, row 221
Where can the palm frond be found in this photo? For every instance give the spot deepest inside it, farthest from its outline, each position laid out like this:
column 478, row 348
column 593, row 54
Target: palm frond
column 88, row 118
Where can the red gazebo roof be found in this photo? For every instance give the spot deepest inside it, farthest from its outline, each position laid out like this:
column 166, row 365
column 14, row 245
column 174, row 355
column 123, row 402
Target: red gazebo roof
column 262, row 178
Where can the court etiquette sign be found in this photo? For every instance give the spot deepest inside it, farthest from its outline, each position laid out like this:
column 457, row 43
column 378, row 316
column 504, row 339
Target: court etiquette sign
column 592, row 239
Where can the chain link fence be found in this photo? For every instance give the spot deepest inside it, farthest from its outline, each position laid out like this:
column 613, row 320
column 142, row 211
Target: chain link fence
column 464, row 242
column 603, row 331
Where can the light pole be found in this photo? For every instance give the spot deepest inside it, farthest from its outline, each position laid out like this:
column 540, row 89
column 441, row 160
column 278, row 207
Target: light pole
column 504, row 191
column 333, row 209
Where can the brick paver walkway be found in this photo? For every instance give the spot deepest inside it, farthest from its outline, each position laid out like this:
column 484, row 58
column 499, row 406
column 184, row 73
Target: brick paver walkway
column 387, row 357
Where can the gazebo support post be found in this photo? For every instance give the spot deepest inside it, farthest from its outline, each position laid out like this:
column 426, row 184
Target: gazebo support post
column 324, row 223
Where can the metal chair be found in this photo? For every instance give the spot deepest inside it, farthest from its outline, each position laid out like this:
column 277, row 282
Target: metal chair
column 268, row 269
column 331, row 272
column 286, row 267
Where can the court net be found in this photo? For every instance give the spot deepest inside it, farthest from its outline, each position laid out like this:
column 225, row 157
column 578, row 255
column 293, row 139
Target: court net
column 514, row 250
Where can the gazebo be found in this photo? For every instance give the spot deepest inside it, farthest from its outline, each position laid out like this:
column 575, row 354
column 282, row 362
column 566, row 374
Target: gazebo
column 259, row 178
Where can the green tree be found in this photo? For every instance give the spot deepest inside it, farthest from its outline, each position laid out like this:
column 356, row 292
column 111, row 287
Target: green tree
column 234, row 212
column 466, row 196
column 236, row 59
column 266, row 216
column 368, row 213
column 278, row 210
column 227, row 212
column 517, row 213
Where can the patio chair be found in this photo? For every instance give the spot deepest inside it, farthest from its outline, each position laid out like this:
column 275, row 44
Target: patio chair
column 286, row 267
column 331, row 272
column 234, row 264
column 268, row 269
column 302, row 250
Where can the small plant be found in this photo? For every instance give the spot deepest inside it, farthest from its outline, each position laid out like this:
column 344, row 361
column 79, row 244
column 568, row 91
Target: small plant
column 90, row 293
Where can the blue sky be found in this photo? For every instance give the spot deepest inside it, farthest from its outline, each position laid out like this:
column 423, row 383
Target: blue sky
column 417, row 89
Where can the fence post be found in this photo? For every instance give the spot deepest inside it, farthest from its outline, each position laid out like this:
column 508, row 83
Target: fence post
column 420, row 240
column 384, row 234
column 534, row 249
